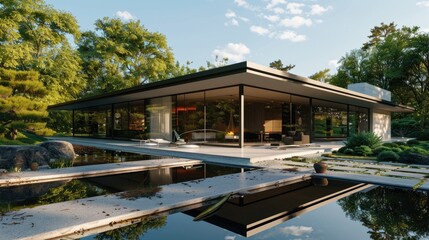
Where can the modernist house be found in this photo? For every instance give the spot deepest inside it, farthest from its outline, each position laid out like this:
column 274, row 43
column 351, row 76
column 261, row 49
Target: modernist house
column 238, row 105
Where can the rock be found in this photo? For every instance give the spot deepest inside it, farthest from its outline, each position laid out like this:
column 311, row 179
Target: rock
column 20, row 157
column 59, row 150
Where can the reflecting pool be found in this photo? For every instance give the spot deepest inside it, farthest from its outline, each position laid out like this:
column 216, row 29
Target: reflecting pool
column 377, row 213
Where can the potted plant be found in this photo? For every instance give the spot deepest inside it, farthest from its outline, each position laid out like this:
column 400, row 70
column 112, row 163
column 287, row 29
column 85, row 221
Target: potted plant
column 34, row 166
column 320, row 167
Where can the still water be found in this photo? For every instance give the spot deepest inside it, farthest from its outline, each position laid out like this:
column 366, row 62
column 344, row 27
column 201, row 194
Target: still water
column 380, row 213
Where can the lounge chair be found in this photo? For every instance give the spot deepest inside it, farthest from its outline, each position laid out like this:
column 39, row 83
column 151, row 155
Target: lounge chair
column 179, row 141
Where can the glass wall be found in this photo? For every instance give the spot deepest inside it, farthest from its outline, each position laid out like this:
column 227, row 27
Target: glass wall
column 266, row 115
column 91, row 122
column 213, row 116
column 209, row 116
column 330, row 119
column 358, row 120
column 223, row 116
column 159, row 120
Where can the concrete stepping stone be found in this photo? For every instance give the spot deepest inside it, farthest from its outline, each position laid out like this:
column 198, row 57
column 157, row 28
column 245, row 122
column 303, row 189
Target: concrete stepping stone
column 414, row 170
column 59, row 174
column 404, row 174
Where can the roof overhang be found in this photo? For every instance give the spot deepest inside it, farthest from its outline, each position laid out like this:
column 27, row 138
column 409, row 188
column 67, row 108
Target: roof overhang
column 245, row 73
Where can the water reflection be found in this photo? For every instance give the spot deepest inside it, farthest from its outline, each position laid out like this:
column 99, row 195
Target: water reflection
column 134, row 231
column 390, row 213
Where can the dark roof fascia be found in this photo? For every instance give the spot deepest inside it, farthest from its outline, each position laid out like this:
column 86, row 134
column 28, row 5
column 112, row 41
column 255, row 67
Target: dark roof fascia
column 296, row 78
column 198, row 76
column 230, row 70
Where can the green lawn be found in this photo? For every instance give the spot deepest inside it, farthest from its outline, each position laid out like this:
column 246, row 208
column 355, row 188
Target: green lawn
column 23, row 138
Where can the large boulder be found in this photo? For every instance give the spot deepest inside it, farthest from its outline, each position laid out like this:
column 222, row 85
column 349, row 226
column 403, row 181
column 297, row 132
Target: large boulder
column 59, row 150
column 20, row 157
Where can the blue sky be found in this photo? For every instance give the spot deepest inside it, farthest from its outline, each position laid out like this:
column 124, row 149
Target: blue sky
column 311, row 34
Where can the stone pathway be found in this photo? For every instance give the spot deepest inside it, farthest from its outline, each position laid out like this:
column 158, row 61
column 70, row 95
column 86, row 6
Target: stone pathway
column 60, row 174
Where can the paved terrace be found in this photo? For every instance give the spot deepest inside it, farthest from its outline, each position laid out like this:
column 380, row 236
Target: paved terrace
column 223, row 155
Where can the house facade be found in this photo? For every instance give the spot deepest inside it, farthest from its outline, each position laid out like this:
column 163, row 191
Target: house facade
column 237, row 105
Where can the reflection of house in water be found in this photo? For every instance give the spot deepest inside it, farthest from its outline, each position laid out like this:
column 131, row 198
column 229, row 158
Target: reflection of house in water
column 160, row 176
column 252, row 213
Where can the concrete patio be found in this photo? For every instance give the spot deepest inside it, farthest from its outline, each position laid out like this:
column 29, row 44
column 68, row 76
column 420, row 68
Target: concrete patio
column 215, row 154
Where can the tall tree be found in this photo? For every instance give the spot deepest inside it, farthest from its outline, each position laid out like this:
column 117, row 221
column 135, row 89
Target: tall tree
column 20, row 105
column 34, row 36
column 123, row 54
column 277, row 64
column 321, row 76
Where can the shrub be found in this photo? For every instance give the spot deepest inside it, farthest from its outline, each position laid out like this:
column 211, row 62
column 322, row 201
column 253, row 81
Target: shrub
column 404, row 147
column 401, row 143
column 44, row 132
column 387, row 156
column 342, row 149
column 60, row 163
column 349, row 151
column 410, row 157
column 390, row 145
column 396, row 149
column 413, row 142
column 380, row 149
column 369, row 139
column 362, row 150
column 423, row 135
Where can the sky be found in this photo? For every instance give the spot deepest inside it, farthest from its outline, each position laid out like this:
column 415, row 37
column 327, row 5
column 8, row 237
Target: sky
column 311, row 34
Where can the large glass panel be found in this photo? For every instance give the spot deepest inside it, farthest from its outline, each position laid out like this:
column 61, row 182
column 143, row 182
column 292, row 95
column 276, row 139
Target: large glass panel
column 159, row 121
column 300, row 115
column 330, row 119
column 358, row 119
column 91, row 122
column 222, row 116
column 120, row 120
column 190, row 116
column 266, row 115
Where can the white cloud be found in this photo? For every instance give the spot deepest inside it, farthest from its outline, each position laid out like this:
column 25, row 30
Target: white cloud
column 274, row 3
column 296, row 22
column 235, row 52
column 259, row 30
column 296, row 230
column 272, row 18
column 230, row 14
column 316, row 9
column 295, row 8
column 232, row 19
column 422, row 4
column 334, row 63
column 278, row 10
column 125, row 15
column 291, row 36
column 230, row 237
column 244, row 4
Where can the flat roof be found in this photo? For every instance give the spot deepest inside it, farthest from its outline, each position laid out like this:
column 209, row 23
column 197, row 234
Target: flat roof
column 243, row 73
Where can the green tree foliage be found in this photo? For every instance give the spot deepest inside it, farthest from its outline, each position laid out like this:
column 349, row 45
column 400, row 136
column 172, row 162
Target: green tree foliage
column 390, row 213
column 396, row 59
column 134, row 231
column 33, row 36
column 321, row 76
column 123, row 54
column 278, row 64
column 20, row 105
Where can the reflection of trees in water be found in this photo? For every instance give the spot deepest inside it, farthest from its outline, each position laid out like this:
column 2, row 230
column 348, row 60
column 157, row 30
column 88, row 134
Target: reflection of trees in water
column 134, row 231
column 72, row 190
column 390, row 213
